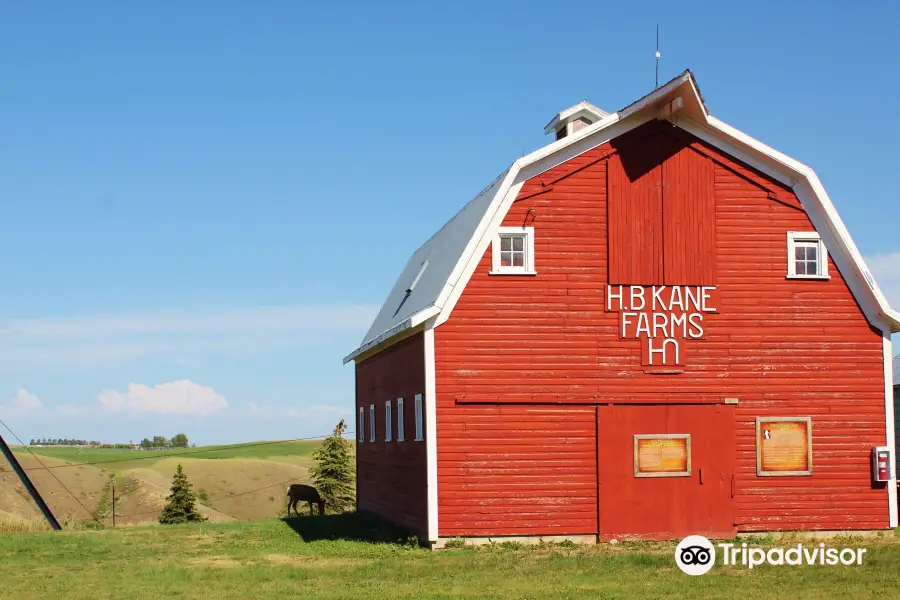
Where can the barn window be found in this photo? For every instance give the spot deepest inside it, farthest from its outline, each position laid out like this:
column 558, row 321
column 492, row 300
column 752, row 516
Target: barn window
column 513, row 251
column 401, row 421
column 388, row 434
column 419, row 436
column 361, row 427
column 371, row 422
column 807, row 257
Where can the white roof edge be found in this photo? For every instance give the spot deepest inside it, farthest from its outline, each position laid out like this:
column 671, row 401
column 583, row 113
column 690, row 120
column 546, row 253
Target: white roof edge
column 511, row 176
column 659, row 92
column 842, row 235
column 408, row 323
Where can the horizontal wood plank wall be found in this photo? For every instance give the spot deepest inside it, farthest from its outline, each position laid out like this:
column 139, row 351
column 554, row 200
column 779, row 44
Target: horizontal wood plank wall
column 392, row 476
column 516, row 470
column 813, row 354
column 783, row 347
column 519, row 469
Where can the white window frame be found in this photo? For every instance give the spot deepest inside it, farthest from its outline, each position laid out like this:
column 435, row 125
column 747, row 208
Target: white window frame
column 806, row 237
column 362, row 425
column 528, row 267
column 371, row 422
column 388, row 430
column 420, row 429
column 401, row 422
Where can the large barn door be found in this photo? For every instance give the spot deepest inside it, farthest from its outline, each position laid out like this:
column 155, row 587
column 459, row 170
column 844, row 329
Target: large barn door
column 634, row 216
column 665, row 471
column 661, row 214
column 689, row 216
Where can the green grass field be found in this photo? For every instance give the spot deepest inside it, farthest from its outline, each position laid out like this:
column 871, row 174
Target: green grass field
column 120, row 459
column 276, row 559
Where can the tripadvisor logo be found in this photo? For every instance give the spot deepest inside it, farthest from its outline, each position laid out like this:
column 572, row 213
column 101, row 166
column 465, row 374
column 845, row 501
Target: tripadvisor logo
column 696, row 555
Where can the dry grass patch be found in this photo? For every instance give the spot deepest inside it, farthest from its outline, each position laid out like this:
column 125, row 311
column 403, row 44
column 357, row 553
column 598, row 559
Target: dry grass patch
column 219, row 562
column 315, row 561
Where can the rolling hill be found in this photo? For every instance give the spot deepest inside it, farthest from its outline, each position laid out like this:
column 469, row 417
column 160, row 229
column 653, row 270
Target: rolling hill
column 239, row 482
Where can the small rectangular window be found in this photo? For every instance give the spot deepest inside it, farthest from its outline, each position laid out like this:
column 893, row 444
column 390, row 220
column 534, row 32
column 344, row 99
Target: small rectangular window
column 419, row 429
column 371, row 422
column 388, row 434
column 401, row 421
column 361, row 427
column 807, row 257
column 513, row 251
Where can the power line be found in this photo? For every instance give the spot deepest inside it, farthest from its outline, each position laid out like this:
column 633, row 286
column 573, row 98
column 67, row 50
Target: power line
column 191, row 453
column 206, row 502
column 51, row 473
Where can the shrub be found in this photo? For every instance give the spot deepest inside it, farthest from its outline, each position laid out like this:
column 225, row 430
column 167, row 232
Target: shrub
column 333, row 473
column 180, row 505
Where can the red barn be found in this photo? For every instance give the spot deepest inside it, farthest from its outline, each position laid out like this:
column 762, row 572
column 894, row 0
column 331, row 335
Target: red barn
column 654, row 326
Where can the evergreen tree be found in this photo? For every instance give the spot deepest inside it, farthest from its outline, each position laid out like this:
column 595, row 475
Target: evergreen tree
column 179, row 506
column 333, row 473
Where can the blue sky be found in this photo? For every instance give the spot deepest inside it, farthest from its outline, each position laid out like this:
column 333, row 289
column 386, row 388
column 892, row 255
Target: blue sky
column 204, row 205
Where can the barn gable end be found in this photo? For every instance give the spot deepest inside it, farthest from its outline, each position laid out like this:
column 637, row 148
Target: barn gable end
column 515, row 344
column 657, row 302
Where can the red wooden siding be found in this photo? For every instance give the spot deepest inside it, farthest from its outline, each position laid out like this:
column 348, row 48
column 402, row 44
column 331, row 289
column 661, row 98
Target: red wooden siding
column 813, row 354
column 516, row 469
column 635, row 216
column 783, row 347
column 392, row 476
column 689, row 216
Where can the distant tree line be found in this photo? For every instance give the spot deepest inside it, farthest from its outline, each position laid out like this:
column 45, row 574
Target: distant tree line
column 65, row 442
column 160, row 441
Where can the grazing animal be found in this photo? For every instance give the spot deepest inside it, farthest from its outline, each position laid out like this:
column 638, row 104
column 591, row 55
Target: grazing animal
column 298, row 492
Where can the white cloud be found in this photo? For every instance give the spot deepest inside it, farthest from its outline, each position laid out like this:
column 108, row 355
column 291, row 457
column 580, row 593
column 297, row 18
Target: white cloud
column 309, row 412
column 84, row 341
column 177, row 397
column 248, row 320
column 22, row 403
column 886, row 269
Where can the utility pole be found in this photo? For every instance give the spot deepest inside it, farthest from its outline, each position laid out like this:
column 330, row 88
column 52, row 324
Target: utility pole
column 114, row 503
column 23, row 477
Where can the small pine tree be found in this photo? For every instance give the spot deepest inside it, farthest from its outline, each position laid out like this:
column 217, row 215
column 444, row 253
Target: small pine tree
column 333, row 473
column 180, row 505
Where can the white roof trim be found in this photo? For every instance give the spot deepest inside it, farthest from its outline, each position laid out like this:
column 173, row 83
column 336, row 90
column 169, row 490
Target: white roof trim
column 698, row 121
column 413, row 321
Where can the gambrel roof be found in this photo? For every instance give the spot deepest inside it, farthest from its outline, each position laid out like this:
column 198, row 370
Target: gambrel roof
column 434, row 277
